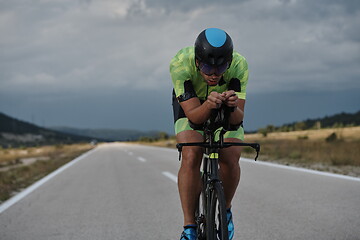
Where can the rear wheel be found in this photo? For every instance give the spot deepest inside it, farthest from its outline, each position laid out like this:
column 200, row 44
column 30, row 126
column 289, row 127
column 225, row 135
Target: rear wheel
column 216, row 221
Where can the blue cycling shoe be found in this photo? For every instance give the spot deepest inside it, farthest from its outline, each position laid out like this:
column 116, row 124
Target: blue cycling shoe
column 189, row 233
column 230, row 223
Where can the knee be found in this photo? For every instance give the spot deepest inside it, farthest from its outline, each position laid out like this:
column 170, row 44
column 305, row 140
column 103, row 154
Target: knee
column 231, row 163
column 191, row 158
column 231, row 158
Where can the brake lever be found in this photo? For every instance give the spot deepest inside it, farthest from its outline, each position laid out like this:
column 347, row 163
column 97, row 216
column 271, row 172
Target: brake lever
column 257, row 155
column 180, row 150
column 257, row 148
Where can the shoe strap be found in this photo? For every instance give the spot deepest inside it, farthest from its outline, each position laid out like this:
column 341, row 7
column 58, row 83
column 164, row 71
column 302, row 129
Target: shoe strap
column 184, row 237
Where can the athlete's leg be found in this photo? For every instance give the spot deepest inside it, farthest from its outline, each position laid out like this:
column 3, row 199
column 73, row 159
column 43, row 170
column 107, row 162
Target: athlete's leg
column 189, row 180
column 230, row 169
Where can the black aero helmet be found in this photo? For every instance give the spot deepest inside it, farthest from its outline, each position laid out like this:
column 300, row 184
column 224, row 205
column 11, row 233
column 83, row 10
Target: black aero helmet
column 214, row 46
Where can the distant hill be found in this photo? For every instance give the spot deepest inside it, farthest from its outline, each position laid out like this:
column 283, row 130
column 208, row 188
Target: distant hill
column 109, row 134
column 16, row 133
column 338, row 120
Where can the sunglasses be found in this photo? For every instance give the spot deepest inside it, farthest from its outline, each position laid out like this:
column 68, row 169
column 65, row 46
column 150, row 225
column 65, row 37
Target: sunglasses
column 210, row 70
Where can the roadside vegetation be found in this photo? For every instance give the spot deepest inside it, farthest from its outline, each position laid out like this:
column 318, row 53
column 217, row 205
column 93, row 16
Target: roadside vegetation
column 20, row 167
column 334, row 150
column 335, row 155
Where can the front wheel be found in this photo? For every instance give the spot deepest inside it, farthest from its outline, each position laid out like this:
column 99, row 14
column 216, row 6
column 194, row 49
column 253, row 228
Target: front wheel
column 217, row 228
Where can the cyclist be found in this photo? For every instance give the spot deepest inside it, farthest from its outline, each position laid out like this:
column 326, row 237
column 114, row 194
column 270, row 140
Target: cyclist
column 205, row 77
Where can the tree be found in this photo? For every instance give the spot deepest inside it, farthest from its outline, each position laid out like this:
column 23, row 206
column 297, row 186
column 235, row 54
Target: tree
column 263, row 131
column 300, row 126
column 270, row 128
column 163, row 136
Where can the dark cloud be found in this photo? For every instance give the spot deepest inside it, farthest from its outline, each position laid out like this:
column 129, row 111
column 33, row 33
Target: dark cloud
column 188, row 5
column 89, row 50
column 327, row 6
column 309, row 10
column 277, row 108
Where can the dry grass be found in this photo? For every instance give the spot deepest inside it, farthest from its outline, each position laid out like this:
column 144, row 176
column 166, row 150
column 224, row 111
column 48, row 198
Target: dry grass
column 14, row 175
column 338, row 157
column 16, row 155
column 345, row 134
column 308, row 149
column 337, row 153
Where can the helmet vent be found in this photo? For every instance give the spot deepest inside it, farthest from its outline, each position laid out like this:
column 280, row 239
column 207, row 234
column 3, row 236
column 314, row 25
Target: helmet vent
column 213, row 46
column 216, row 37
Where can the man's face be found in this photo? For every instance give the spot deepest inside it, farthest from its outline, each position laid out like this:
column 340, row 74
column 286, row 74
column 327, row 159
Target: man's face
column 210, row 79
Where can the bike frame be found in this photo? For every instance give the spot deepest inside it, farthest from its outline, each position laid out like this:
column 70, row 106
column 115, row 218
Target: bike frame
column 210, row 165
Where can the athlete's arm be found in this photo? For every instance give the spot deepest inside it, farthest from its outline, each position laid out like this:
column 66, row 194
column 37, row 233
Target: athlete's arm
column 199, row 113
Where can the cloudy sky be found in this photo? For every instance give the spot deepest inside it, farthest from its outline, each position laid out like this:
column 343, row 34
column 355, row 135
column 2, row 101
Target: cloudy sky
column 105, row 63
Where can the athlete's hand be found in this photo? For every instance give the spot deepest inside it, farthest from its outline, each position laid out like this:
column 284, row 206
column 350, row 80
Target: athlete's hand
column 230, row 98
column 215, row 100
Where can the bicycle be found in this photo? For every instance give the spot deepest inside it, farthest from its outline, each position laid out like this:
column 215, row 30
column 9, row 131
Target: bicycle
column 210, row 215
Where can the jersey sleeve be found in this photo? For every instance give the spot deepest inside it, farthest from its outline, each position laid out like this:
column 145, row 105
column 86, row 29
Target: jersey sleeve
column 240, row 72
column 180, row 74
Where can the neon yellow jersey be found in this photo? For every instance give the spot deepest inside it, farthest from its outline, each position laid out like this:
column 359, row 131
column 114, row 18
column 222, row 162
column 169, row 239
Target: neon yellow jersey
column 183, row 68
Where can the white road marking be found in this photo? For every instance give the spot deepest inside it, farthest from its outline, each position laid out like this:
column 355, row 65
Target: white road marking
column 171, row 176
column 141, row 159
column 130, row 153
column 328, row 174
column 37, row 184
column 302, row 170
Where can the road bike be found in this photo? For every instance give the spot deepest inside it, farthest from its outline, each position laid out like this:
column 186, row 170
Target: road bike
column 210, row 215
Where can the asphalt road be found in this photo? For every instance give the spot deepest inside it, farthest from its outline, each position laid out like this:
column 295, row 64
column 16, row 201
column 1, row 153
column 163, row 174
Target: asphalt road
column 123, row 191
